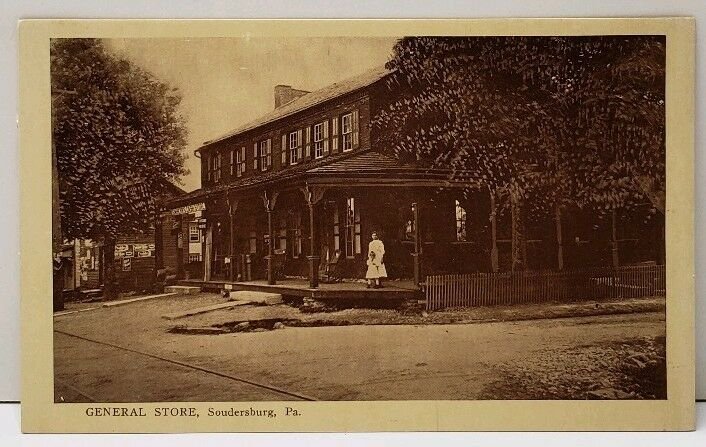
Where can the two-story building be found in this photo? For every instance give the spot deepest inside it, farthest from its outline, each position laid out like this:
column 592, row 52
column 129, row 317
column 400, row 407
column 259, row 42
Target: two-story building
column 304, row 183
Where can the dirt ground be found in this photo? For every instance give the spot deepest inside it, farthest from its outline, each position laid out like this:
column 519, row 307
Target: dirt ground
column 394, row 356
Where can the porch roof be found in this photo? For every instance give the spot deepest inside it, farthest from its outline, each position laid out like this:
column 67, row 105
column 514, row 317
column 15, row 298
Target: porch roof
column 350, row 167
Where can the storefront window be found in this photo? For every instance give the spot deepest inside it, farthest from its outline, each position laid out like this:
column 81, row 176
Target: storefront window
column 352, row 228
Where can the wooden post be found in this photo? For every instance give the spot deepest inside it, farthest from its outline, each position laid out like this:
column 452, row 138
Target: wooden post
column 312, row 196
column 417, row 255
column 313, row 258
column 232, row 207
column 493, row 234
column 559, row 242
column 269, row 202
column 614, row 240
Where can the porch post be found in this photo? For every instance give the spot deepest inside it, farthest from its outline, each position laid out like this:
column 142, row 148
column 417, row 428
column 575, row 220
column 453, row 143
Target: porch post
column 312, row 196
column 416, row 256
column 312, row 258
column 269, row 202
column 493, row 233
column 614, row 240
column 232, row 207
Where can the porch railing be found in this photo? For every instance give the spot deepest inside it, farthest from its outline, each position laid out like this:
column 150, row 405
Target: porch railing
column 483, row 289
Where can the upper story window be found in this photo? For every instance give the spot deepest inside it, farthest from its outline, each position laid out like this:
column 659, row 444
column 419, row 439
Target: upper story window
column 240, row 162
column 213, row 164
column 319, row 140
column 294, row 147
column 349, row 131
column 265, row 154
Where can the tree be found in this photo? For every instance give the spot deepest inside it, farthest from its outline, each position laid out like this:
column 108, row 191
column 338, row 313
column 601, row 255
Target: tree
column 119, row 141
column 546, row 122
column 582, row 116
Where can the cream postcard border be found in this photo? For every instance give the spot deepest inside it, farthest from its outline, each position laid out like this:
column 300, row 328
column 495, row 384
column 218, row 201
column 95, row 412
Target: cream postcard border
column 41, row 414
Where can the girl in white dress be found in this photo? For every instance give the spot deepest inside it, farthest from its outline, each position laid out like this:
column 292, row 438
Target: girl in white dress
column 376, row 265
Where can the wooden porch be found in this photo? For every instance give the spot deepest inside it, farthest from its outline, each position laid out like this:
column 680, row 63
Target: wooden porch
column 392, row 290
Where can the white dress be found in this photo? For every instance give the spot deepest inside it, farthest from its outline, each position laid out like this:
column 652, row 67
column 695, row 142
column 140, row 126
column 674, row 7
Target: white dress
column 376, row 268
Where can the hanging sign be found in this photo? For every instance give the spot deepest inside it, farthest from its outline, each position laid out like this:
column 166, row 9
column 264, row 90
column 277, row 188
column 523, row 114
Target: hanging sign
column 189, row 209
column 127, row 264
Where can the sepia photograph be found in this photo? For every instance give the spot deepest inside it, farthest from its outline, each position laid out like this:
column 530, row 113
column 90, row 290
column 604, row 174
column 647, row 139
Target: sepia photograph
column 359, row 218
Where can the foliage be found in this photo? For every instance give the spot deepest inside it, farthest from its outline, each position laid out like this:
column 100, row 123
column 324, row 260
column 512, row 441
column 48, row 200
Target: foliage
column 119, row 140
column 551, row 120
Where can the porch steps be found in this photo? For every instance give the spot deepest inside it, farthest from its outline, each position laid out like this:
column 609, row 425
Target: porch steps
column 236, row 299
column 182, row 290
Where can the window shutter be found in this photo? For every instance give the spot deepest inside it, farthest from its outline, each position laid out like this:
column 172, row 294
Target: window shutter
column 300, row 146
column 254, row 156
column 355, row 129
column 208, row 167
column 307, row 152
column 284, row 149
column 232, row 162
column 269, row 153
column 334, row 137
column 326, row 137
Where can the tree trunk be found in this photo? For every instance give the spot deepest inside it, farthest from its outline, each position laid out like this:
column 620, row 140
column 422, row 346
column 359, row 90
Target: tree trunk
column 518, row 261
column 110, row 286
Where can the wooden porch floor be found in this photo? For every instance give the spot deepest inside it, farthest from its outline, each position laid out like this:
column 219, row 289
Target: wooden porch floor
column 392, row 290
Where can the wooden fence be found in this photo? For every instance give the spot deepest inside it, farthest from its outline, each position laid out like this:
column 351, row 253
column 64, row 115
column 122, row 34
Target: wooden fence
column 483, row 289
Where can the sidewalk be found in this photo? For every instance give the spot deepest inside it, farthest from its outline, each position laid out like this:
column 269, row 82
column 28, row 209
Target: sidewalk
column 291, row 316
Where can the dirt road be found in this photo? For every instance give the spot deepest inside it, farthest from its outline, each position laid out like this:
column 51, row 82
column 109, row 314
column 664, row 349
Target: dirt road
column 458, row 361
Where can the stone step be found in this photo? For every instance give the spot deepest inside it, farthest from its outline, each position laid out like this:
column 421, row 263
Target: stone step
column 239, row 298
column 256, row 297
column 182, row 290
column 203, row 310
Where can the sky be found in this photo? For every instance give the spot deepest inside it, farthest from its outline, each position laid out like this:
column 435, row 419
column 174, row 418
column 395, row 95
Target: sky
column 227, row 82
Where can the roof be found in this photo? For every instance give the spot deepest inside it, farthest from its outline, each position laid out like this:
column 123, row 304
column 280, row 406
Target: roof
column 311, row 99
column 349, row 164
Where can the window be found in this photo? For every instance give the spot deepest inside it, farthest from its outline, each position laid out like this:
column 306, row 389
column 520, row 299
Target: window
column 194, row 233
column 240, row 162
column 282, row 235
column 352, row 228
column 252, row 242
column 336, row 229
column 214, row 165
column 319, row 140
column 347, row 132
column 294, row 147
column 460, row 223
column 265, row 154
column 297, row 234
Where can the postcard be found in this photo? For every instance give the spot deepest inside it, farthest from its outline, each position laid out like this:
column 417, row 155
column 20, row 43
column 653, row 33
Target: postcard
column 357, row 225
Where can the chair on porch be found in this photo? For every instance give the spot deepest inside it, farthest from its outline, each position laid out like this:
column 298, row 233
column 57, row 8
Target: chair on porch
column 279, row 257
column 333, row 268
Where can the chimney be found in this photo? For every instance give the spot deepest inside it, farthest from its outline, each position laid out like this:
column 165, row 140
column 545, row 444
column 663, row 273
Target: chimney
column 284, row 94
